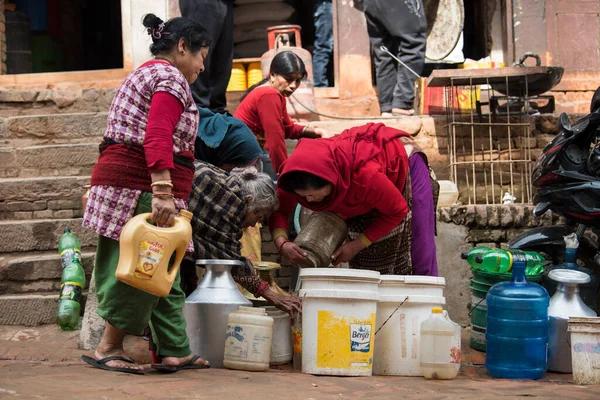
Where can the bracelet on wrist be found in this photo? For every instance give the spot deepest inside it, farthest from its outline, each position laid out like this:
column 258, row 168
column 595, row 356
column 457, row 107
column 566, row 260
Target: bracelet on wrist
column 168, row 183
column 282, row 244
column 163, row 196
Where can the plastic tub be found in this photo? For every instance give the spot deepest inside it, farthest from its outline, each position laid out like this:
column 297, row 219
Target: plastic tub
column 281, row 347
column 338, row 321
column 585, row 349
column 404, row 303
column 448, row 194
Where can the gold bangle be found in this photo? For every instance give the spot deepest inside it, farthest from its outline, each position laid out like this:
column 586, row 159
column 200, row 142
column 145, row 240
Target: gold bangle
column 162, row 183
column 163, row 195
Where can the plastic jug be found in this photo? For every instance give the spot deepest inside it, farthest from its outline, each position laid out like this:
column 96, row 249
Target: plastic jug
column 517, row 327
column 440, row 346
column 248, row 340
column 145, row 252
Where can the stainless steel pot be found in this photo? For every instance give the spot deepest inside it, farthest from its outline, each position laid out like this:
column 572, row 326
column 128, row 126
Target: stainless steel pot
column 565, row 303
column 206, row 310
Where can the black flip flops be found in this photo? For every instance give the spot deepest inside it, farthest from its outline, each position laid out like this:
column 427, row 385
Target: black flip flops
column 189, row 364
column 101, row 364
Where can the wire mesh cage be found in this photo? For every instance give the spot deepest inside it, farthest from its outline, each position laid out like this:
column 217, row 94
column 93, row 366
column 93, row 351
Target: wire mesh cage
column 489, row 139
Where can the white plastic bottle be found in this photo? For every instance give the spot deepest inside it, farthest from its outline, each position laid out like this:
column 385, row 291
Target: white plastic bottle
column 248, row 340
column 440, row 346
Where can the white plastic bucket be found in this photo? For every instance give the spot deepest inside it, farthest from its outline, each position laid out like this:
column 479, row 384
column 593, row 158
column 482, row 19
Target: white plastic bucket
column 281, row 347
column 338, row 321
column 405, row 301
column 448, row 194
column 585, row 349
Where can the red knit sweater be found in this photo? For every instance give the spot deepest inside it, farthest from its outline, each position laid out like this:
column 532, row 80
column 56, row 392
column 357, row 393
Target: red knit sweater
column 264, row 112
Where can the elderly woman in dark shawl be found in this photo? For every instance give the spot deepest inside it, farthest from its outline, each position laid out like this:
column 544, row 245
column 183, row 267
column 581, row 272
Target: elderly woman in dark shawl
column 222, row 205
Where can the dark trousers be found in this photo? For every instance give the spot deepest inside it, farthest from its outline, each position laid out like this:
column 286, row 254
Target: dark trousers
column 401, row 27
column 216, row 16
column 323, row 18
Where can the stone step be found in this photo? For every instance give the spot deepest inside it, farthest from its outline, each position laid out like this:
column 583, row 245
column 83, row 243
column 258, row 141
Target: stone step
column 41, row 235
column 49, row 101
column 37, row 272
column 30, row 309
column 41, row 197
column 45, row 129
column 48, row 160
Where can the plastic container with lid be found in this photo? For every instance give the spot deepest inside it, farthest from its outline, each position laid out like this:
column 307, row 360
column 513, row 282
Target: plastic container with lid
column 145, row 251
column 448, row 194
column 517, row 327
column 440, row 350
column 404, row 302
column 248, row 340
column 281, row 346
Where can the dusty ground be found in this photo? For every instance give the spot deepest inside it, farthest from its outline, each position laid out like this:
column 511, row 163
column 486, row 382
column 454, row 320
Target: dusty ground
column 43, row 363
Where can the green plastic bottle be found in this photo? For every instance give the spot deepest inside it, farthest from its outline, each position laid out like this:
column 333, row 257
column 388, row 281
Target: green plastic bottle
column 472, row 254
column 69, row 303
column 500, row 261
column 69, row 248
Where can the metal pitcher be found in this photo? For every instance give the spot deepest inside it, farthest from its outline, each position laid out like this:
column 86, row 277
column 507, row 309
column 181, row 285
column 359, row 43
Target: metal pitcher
column 323, row 234
column 565, row 303
column 206, row 310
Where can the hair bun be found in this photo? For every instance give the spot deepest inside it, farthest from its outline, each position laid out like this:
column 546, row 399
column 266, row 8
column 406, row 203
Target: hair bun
column 247, row 173
column 151, row 21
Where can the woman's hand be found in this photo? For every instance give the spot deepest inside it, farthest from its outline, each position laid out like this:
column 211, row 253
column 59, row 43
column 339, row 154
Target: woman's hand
column 163, row 211
column 321, row 133
column 288, row 304
column 294, row 253
column 314, row 133
column 347, row 251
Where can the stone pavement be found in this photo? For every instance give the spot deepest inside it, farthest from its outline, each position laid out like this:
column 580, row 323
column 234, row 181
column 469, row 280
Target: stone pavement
column 43, row 362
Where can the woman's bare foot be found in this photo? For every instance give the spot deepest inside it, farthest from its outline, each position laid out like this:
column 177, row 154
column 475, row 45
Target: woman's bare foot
column 403, row 111
column 107, row 352
column 176, row 361
column 112, row 345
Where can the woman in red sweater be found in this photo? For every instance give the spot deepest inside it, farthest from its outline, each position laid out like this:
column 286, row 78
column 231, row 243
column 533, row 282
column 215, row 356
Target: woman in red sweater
column 263, row 107
column 363, row 176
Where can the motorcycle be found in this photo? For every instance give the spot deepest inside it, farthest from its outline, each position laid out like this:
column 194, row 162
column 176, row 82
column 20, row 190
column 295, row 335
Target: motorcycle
column 567, row 181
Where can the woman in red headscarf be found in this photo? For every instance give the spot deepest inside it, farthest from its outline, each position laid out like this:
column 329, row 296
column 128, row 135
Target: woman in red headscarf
column 363, row 176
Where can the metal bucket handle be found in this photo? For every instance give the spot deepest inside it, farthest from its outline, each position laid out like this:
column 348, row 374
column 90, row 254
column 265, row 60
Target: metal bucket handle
column 538, row 60
column 476, row 305
column 391, row 315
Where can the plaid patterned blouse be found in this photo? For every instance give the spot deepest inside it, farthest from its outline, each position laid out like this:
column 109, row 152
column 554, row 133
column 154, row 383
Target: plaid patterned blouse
column 109, row 208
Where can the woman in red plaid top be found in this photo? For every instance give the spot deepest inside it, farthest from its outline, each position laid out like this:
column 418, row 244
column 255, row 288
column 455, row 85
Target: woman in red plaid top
column 146, row 165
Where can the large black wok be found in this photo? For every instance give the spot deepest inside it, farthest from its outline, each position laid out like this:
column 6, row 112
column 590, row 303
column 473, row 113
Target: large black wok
column 536, row 85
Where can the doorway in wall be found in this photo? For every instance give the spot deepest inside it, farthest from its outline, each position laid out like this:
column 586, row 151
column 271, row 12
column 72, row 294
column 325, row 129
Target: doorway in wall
column 63, row 35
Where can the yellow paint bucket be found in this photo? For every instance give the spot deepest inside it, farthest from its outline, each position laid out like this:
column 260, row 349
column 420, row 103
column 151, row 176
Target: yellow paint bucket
column 254, row 73
column 237, row 81
column 338, row 321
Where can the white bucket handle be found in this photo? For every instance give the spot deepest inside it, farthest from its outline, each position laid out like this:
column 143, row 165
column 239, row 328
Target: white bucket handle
column 391, row 315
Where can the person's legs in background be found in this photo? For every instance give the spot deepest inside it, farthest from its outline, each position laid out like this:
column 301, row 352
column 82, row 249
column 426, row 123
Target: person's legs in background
column 385, row 66
column 423, row 254
column 411, row 51
column 323, row 18
column 216, row 16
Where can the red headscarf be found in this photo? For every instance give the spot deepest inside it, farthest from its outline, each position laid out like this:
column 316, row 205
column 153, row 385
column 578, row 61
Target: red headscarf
column 337, row 159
